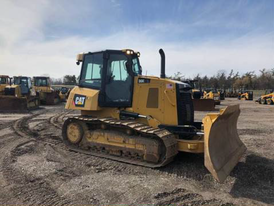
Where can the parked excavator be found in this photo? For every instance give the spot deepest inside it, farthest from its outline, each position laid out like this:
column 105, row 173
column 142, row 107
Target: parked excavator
column 145, row 120
column 47, row 95
column 4, row 81
column 199, row 103
column 19, row 96
column 245, row 95
column 267, row 98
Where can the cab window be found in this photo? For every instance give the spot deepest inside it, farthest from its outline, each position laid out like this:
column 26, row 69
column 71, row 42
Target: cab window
column 91, row 75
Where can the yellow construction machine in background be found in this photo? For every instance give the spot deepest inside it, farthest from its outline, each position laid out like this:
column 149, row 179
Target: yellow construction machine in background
column 267, row 98
column 19, row 96
column 47, row 94
column 232, row 93
column 145, row 120
column 199, row 103
column 212, row 94
column 64, row 93
column 245, row 95
column 221, row 92
column 4, row 81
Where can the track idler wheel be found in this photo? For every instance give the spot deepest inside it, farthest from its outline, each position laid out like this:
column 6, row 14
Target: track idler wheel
column 73, row 132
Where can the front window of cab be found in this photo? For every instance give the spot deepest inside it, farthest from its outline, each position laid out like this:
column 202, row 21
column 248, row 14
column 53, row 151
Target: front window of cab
column 136, row 66
column 91, row 75
column 41, row 82
column 3, row 80
column 22, row 81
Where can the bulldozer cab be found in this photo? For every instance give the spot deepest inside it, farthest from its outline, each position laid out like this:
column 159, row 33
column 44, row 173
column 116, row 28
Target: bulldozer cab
column 111, row 71
column 64, row 90
column 196, row 88
column 41, row 81
column 24, row 83
column 4, row 79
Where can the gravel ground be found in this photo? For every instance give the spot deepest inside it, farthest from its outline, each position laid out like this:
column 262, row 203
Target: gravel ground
column 36, row 168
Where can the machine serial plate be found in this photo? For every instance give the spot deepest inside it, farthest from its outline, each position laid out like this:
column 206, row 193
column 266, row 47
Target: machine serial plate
column 143, row 80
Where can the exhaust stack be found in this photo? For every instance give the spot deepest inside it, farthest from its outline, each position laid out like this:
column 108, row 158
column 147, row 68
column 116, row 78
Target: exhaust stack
column 163, row 63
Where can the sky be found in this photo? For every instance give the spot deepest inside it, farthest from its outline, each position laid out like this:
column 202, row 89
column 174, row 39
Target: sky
column 43, row 37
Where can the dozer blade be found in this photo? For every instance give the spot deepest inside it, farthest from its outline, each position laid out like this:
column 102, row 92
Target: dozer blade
column 204, row 104
column 13, row 104
column 33, row 103
column 52, row 98
column 222, row 145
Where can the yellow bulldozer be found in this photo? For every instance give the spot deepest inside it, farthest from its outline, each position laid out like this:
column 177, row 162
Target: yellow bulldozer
column 231, row 92
column 47, row 95
column 245, row 95
column 199, row 103
column 64, row 93
column 221, row 92
column 19, row 96
column 4, row 81
column 267, row 98
column 145, row 120
column 210, row 93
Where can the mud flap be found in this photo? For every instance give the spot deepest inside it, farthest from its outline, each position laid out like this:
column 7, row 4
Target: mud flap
column 222, row 145
column 203, row 104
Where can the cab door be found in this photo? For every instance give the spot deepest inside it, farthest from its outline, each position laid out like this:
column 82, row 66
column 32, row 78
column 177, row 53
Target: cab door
column 118, row 87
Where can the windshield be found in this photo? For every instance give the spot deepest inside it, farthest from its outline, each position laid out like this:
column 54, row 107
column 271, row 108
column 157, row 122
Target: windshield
column 16, row 81
column 40, row 82
column 136, row 66
column 3, row 80
column 21, row 81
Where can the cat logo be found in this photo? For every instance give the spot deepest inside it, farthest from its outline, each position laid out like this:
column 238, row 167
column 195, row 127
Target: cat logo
column 79, row 100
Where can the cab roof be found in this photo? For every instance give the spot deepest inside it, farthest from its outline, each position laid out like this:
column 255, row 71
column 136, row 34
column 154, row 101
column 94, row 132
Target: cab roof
column 20, row 77
column 40, row 77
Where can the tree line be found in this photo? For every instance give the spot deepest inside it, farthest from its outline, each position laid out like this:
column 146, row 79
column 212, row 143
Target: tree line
column 233, row 80
column 66, row 80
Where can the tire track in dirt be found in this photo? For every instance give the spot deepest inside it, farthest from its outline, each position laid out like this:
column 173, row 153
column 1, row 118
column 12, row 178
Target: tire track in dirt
column 22, row 128
column 29, row 189
column 57, row 120
column 180, row 196
column 6, row 125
